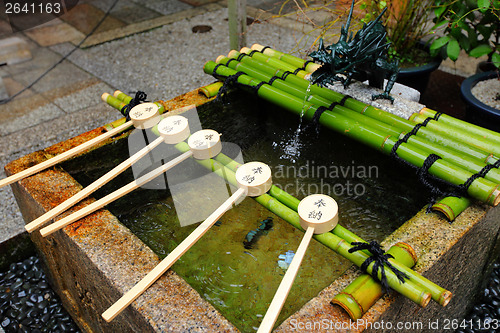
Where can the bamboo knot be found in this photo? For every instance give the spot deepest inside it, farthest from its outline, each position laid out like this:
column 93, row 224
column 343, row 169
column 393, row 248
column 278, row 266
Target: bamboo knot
column 380, row 261
column 140, row 97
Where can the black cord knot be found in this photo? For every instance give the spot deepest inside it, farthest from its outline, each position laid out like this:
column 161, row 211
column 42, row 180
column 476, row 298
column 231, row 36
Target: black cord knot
column 379, row 258
column 139, row 98
column 228, row 82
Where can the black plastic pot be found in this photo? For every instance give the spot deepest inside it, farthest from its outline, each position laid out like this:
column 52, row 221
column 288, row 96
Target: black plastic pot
column 477, row 112
column 418, row 77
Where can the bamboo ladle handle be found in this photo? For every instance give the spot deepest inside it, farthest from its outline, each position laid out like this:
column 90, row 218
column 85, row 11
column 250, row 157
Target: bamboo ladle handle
column 286, row 284
column 63, row 156
column 253, row 178
column 318, row 214
column 172, row 130
column 203, row 144
column 166, row 263
column 114, row 195
column 30, row 227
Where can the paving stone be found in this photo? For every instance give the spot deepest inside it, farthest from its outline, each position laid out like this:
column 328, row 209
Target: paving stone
column 85, row 17
column 3, row 90
column 127, row 11
column 20, row 106
column 42, row 58
column 167, row 7
column 54, row 34
column 34, row 117
column 13, row 87
column 84, row 98
column 63, row 75
column 14, row 50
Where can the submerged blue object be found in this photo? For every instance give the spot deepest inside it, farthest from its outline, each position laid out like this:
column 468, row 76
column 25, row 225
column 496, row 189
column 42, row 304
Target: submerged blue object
column 252, row 236
column 286, row 259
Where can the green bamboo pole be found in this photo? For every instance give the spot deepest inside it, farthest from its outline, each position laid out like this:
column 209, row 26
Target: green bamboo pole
column 122, row 96
column 288, row 58
column 463, row 136
column 480, row 189
column 275, row 62
column 364, row 291
column 368, row 110
column 470, row 164
column 225, row 167
column 113, row 101
column 125, row 99
column 212, row 89
column 451, row 207
column 463, row 125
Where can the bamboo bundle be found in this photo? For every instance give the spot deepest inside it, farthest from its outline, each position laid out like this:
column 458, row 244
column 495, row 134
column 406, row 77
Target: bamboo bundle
column 480, row 188
column 364, row 291
column 463, row 125
column 285, row 206
column 368, row 110
column 470, row 164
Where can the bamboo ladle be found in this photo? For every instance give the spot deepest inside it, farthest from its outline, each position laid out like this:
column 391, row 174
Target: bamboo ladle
column 203, row 144
column 318, row 214
column 66, row 155
column 149, row 116
column 253, row 178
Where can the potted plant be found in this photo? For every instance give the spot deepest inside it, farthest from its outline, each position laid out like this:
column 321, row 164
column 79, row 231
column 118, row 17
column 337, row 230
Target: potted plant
column 474, row 27
column 408, row 23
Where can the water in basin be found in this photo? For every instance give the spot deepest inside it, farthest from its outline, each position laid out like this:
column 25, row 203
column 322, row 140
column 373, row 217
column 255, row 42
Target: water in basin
column 375, row 195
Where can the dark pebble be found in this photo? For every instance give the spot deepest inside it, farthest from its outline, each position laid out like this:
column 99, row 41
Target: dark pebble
column 5, row 322
column 21, row 294
column 43, row 285
column 45, row 318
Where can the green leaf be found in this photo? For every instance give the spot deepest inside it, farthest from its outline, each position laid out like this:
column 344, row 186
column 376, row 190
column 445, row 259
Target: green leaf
column 480, row 50
column 453, row 50
column 496, row 59
column 483, row 5
column 440, row 42
column 439, row 24
column 439, row 10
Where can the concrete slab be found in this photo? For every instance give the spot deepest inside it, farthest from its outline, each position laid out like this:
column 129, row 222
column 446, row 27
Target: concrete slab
column 165, row 71
column 63, row 75
column 34, row 117
column 85, row 17
column 54, row 34
column 3, row 90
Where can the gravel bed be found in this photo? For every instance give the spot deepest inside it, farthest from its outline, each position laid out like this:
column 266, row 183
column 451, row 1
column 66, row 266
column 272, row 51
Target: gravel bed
column 485, row 315
column 488, row 92
column 27, row 302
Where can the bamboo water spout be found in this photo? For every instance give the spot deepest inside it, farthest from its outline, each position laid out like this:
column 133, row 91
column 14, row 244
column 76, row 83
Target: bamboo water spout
column 480, row 188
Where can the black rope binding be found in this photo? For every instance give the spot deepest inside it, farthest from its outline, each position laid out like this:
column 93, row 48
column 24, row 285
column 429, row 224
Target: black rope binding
column 379, row 258
column 319, row 111
column 432, row 182
column 229, row 81
column 139, row 98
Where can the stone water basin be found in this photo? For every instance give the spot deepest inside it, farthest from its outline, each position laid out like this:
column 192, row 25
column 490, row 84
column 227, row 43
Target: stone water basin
column 221, row 286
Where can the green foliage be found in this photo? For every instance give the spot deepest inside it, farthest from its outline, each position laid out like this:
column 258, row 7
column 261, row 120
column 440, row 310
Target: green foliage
column 470, row 25
column 407, row 23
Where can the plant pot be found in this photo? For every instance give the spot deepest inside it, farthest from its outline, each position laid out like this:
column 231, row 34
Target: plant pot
column 418, row 77
column 476, row 111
